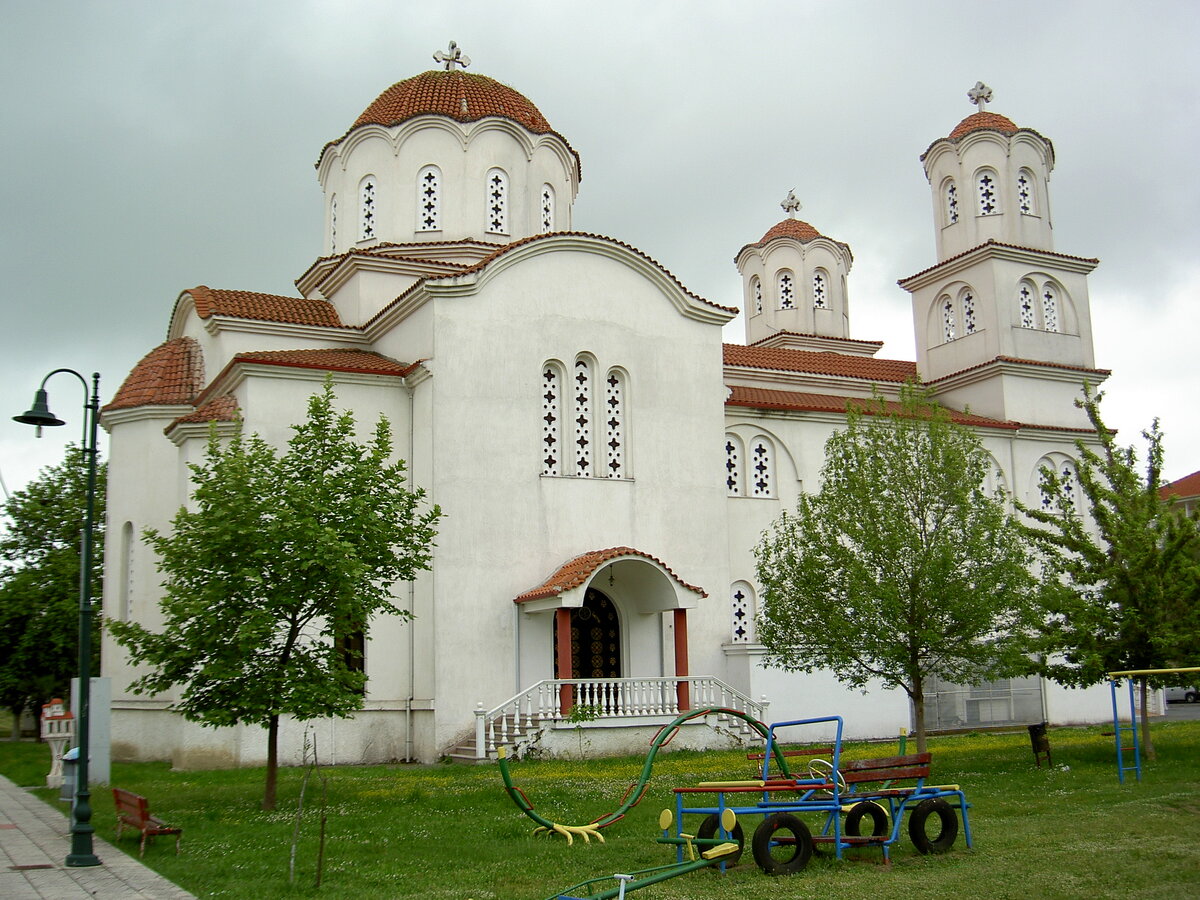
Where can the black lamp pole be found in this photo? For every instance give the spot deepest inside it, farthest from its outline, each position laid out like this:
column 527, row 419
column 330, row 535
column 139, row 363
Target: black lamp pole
column 81, row 814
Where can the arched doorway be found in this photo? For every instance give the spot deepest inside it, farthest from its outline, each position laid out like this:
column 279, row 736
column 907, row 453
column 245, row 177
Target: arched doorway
column 595, row 639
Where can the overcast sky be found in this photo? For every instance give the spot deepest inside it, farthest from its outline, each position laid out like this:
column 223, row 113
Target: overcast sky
column 153, row 146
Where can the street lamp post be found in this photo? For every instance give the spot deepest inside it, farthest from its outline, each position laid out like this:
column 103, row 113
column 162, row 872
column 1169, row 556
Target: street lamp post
column 81, row 814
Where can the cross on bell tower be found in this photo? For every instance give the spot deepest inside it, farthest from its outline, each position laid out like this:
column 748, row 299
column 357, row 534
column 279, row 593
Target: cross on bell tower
column 452, row 56
column 980, row 95
column 791, row 204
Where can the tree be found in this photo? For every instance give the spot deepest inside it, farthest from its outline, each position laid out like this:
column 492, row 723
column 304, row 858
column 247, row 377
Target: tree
column 275, row 573
column 39, row 583
column 902, row 566
column 1122, row 573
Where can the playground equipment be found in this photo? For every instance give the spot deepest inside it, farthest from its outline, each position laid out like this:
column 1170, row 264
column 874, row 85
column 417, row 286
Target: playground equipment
column 1114, row 678
column 633, row 794
column 842, row 795
column 712, row 853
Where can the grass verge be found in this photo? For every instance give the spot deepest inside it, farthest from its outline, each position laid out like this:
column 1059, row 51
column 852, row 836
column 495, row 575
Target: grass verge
column 450, row 832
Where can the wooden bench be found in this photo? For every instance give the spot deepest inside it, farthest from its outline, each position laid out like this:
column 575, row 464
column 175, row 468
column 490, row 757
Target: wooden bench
column 133, row 811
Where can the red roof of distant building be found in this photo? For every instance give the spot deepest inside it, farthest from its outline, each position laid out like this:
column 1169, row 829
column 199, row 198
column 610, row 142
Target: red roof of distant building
column 575, row 572
column 265, row 307
column 170, row 374
column 1187, row 486
column 820, row 363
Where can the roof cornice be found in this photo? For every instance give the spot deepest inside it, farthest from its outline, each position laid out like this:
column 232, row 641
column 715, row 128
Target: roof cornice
column 991, row 250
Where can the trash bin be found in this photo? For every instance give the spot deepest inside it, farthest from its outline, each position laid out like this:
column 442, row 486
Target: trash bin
column 70, row 763
column 1040, row 742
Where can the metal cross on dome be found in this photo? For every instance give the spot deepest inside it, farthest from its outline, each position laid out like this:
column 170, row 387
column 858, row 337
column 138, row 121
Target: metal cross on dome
column 791, row 204
column 980, row 95
column 452, row 57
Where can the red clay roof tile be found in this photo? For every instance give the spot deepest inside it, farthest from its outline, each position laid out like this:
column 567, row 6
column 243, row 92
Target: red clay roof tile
column 170, row 374
column 575, row 572
column 219, row 409
column 981, row 120
column 819, row 363
column 1024, row 362
column 1187, row 486
column 992, row 242
column 333, row 360
column 799, row 401
column 264, row 307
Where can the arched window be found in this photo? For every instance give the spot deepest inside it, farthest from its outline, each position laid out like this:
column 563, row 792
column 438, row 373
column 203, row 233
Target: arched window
column 552, row 382
column 950, row 196
column 497, row 201
column 1049, row 308
column 367, row 208
column 741, row 603
column 547, row 209
column 785, row 284
column 1026, row 193
column 733, row 466
column 1063, row 469
column 582, row 389
column 614, row 423
column 1026, row 311
column 966, row 303
column 987, row 192
column 756, row 293
column 429, row 199
column 762, row 468
column 820, row 289
column 125, row 612
column 333, row 224
column 949, row 319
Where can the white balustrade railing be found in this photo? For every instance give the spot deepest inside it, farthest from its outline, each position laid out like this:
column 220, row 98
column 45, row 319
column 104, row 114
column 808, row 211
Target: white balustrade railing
column 553, row 700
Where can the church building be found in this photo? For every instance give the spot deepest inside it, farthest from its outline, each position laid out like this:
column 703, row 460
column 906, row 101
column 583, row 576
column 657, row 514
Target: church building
column 604, row 461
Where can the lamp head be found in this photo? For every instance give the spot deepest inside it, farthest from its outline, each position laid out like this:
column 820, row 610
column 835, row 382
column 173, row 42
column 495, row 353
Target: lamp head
column 39, row 414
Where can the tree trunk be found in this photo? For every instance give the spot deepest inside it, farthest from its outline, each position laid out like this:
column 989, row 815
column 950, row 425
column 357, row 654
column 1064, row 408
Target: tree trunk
column 918, row 701
column 1147, row 743
column 272, row 762
column 15, row 733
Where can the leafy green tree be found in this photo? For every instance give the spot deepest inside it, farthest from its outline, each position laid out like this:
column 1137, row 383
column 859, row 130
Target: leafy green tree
column 902, row 566
column 39, row 583
column 1121, row 568
column 277, row 570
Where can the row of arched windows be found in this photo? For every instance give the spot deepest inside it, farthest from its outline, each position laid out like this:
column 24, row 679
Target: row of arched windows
column 786, row 296
column 429, row 205
column 1038, row 307
column 988, row 195
column 583, row 423
column 749, row 468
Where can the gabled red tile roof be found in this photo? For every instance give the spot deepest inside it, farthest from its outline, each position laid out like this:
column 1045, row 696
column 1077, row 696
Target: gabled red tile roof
column 458, row 95
column 219, row 409
column 170, row 374
column 984, row 120
column 799, row 401
column 804, row 334
column 1187, row 486
column 819, row 363
column 508, row 248
column 575, row 572
column 332, row 360
column 264, row 307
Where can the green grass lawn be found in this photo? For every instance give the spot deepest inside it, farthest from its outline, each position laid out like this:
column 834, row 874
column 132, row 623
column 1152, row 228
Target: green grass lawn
column 450, row 831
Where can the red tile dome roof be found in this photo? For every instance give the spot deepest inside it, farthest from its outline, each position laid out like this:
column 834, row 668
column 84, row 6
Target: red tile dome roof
column 464, row 96
column 984, row 120
column 170, row 374
column 793, row 228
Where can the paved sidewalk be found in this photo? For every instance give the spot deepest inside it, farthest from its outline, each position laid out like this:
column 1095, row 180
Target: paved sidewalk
column 34, row 842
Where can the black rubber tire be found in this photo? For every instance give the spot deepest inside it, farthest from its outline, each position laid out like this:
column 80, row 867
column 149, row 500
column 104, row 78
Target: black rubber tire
column 944, row 840
column 1191, row 696
column 710, row 828
column 799, row 837
column 866, row 809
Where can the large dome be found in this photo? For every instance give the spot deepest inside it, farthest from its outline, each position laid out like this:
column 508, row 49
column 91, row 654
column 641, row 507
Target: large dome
column 463, row 96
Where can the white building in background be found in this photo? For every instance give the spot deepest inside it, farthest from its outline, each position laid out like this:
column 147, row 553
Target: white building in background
column 605, row 463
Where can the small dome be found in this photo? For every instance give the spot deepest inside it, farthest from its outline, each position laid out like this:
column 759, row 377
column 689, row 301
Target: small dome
column 984, row 120
column 463, row 96
column 793, row 228
column 171, row 374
